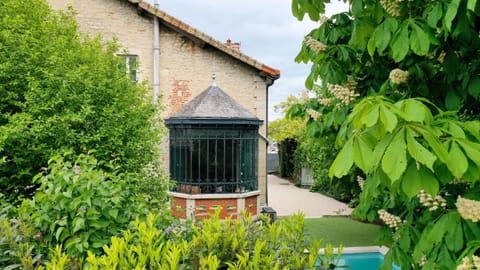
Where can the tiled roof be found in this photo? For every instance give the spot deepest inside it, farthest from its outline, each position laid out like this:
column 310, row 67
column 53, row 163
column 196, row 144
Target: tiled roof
column 201, row 37
column 213, row 103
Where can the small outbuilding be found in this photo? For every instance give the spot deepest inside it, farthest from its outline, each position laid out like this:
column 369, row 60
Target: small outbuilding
column 214, row 157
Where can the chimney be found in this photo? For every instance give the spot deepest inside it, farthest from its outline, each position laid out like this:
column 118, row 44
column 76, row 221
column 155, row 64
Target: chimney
column 233, row 45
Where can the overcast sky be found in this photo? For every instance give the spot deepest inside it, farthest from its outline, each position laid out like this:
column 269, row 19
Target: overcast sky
column 266, row 29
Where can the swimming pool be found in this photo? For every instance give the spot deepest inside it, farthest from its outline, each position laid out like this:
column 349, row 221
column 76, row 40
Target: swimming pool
column 363, row 261
column 362, row 258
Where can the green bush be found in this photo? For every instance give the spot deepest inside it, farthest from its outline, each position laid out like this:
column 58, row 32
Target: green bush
column 286, row 159
column 60, row 89
column 18, row 247
column 152, row 183
column 80, row 204
column 215, row 244
column 318, row 154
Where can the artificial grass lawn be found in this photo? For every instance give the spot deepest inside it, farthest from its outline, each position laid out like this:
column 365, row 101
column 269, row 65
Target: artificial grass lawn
column 342, row 231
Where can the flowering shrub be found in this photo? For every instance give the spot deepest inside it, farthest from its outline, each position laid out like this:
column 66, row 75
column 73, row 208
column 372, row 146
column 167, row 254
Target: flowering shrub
column 409, row 152
column 398, row 51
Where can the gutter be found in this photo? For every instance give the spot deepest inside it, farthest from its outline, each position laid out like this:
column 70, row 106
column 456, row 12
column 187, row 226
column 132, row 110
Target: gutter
column 156, row 54
column 269, row 80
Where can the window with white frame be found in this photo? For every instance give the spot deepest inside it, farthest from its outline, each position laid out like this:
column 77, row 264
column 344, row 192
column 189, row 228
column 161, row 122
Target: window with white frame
column 131, row 66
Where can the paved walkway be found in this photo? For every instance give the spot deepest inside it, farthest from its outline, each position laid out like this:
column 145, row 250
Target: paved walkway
column 286, row 199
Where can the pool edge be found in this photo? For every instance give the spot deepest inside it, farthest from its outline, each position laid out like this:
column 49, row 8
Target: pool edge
column 364, row 249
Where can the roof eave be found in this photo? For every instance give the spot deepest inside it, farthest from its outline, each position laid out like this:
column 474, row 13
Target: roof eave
column 173, row 121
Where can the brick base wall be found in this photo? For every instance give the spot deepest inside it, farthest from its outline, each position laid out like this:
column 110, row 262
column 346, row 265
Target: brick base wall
column 179, row 208
column 185, row 206
column 206, row 207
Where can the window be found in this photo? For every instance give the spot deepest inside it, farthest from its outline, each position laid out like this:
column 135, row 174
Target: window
column 214, row 160
column 131, row 66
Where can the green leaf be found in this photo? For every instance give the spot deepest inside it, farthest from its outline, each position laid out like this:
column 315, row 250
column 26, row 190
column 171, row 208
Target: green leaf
column 343, row 161
column 452, row 10
column 453, row 101
column 405, row 241
column 461, row 162
column 474, row 87
column 454, row 237
column 370, row 117
column 419, row 41
column 357, row 8
column 382, row 38
column 419, row 152
column 414, row 110
column 418, row 178
column 113, row 213
column 400, row 44
column 473, row 173
column 72, row 241
column 428, row 181
column 471, row 149
column 380, row 148
column 394, row 162
column 435, row 15
column 388, row 119
column 438, row 148
column 455, row 130
column 445, row 259
column 78, row 224
column 411, row 184
column 471, row 5
column 391, row 24
column 362, row 29
column 371, row 46
column 297, row 11
column 439, row 229
column 362, row 154
column 59, row 233
column 67, row 194
column 99, row 223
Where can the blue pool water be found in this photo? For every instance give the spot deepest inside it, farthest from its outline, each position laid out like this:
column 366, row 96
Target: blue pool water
column 363, row 261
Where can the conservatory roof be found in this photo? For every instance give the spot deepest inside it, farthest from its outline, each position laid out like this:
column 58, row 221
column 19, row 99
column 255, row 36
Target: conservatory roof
column 213, row 106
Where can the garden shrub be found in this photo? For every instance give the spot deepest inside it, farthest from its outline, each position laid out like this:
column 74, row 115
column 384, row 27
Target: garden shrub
column 318, row 154
column 152, row 183
column 80, row 204
column 286, row 159
column 61, row 89
column 229, row 244
column 18, row 245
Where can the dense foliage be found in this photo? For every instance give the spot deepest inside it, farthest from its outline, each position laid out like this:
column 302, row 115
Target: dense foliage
column 18, row 249
column 60, row 89
column 212, row 244
column 156, row 242
column 80, row 204
column 286, row 158
column 421, row 161
column 422, row 179
column 318, row 154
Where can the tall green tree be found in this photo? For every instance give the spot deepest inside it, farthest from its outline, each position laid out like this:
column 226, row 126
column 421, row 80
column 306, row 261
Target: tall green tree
column 61, row 89
column 399, row 81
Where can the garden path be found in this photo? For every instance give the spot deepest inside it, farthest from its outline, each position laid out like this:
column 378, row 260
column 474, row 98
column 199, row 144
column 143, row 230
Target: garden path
column 286, row 199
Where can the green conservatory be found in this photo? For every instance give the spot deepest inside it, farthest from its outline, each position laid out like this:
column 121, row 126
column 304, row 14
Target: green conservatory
column 214, row 146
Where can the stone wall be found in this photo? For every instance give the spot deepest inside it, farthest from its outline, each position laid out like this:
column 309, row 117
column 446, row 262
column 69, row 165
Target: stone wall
column 186, row 66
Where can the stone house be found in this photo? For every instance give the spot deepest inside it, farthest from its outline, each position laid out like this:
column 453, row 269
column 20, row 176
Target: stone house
column 178, row 61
